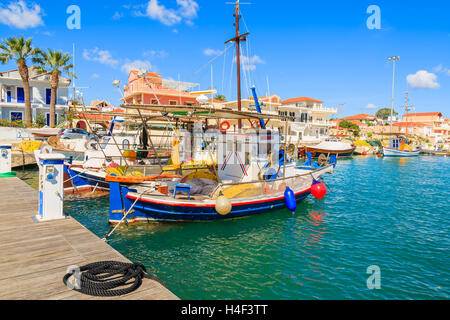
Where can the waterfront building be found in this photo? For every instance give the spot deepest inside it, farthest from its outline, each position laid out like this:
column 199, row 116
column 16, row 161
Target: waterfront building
column 311, row 121
column 12, row 95
column 148, row 91
column 439, row 127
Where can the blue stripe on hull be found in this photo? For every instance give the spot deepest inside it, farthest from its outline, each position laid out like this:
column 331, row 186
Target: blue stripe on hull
column 161, row 212
column 84, row 179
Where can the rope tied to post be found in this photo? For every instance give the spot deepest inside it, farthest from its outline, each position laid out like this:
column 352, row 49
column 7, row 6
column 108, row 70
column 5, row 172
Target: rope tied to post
column 108, row 278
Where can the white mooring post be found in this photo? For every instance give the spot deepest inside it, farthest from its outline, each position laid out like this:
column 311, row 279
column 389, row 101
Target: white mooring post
column 5, row 161
column 51, row 190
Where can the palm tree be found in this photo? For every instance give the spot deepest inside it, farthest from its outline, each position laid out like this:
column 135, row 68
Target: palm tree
column 55, row 63
column 21, row 51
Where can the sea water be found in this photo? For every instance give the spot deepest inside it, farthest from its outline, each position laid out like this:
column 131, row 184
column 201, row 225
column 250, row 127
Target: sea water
column 382, row 232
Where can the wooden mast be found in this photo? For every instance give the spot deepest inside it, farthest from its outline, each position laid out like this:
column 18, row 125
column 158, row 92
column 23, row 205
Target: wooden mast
column 238, row 39
column 238, row 63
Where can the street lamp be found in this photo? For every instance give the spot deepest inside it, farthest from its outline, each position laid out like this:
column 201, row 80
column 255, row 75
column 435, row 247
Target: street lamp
column 393, row 59
column 116, row 83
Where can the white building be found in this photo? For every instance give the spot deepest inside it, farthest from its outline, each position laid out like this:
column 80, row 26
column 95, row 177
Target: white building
column 12, row 97
column 310, row 120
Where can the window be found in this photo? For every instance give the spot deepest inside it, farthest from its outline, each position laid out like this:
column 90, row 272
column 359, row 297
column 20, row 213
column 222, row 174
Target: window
column 16, row 116
column 20, row 95
column 8, row 96
column 173, row 102
column 190, row 104
column 48, row 96
column 154, row 101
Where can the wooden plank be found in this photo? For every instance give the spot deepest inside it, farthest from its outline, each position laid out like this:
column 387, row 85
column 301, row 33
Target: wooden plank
column 35, row 256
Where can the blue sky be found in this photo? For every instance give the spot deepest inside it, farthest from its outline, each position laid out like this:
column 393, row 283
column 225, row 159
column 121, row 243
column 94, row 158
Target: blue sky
column 319, row 49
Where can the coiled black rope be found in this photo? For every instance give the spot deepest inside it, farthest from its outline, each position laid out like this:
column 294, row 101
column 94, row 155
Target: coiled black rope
column 108, row 278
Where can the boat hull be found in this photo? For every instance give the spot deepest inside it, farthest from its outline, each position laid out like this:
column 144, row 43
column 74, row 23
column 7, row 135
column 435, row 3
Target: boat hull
column 394, row 153
column 77, row 181
column 149, row 211
column 339, row 153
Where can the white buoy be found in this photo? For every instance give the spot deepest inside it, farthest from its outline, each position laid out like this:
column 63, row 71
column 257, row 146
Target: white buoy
column 223, row 205
column 51, row 187
column 5, row 161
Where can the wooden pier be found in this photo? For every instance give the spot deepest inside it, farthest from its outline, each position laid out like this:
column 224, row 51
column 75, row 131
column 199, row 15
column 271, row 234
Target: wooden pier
column 34, row 257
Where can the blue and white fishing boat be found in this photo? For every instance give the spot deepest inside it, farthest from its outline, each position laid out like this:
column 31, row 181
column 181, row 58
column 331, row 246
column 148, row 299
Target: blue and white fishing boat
column 399, row 147
column 250, row 178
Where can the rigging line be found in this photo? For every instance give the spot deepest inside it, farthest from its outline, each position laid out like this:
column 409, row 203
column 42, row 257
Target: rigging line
column 248, row 55
column 223, row 73
column 231, row 74
column 209, row 62
column 245, row 67
column 245, row 25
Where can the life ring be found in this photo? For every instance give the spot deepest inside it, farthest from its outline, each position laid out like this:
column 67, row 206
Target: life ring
column 228, row 126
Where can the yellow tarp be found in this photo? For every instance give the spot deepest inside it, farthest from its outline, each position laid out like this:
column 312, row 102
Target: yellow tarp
column 30, row 146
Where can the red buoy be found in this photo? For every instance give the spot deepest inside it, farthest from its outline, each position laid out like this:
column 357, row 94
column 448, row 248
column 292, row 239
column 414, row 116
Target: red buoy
column 318, row 190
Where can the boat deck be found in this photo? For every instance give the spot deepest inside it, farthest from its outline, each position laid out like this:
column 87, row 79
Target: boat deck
column 35, row 256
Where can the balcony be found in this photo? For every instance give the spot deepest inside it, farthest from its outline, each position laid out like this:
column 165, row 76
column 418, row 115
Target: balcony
column 34, row 103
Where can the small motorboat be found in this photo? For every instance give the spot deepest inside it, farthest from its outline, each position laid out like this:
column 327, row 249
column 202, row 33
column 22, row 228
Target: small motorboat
column 45, row 132
column 328, row 148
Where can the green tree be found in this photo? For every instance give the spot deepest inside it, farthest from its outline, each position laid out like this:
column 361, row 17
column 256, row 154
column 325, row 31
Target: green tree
column 385, row 113
column 351, row 126
column 220, row 97
column 56, row 64
column 21, row 51
column 40, row 120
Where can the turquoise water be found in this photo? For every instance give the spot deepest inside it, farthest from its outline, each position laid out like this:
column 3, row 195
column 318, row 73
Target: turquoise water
column 392, row 213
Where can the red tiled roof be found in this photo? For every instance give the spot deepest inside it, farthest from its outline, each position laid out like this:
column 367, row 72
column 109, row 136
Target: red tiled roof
column 361, row 116
column 300, row 99
column 423, row 114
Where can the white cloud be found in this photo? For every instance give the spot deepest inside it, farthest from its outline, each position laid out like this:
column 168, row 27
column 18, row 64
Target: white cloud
column 212, row 52
column 187, row 10
column 19, row 15
column 95, row 76
column 158, row 12
column 371, row 106
column 249, row 63
column 101, row 56
column 137, row 65
column 441, row 69
column 423, row 80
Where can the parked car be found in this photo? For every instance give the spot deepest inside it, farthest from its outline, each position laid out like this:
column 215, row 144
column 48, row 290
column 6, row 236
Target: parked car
column 75, row 133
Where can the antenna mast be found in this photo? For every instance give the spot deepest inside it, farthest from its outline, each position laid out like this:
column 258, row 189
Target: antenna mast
column 238, row 39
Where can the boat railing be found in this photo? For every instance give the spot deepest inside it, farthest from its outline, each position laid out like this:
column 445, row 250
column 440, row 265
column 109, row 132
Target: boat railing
column 262, row 188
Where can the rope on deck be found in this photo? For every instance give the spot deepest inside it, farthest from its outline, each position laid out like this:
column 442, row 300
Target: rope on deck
column 108, row 278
